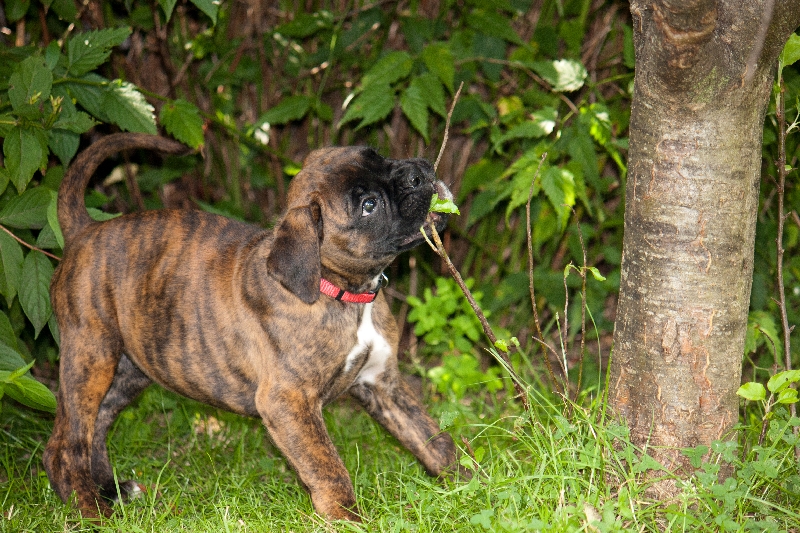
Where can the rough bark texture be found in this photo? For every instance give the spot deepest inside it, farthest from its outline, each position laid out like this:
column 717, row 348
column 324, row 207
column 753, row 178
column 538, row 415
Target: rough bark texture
column 692, row 198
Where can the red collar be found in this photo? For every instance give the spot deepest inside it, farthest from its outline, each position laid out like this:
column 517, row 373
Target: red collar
column 329, row 289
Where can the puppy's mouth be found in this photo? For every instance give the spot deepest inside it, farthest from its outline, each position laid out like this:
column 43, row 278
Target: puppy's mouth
column 433, row 220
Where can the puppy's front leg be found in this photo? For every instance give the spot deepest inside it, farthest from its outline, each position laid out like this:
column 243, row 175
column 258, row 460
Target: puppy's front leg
column 294, row 421
column 394, row 405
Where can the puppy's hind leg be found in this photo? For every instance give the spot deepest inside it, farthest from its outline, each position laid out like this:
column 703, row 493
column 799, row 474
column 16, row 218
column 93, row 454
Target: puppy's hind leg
column 128, row 383
column 87, row 370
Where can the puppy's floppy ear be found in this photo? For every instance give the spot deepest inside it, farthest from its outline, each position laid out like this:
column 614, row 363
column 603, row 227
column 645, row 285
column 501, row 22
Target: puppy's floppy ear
column 294, row 259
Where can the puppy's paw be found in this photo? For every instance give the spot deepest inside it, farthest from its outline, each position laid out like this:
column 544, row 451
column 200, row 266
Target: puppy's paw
column 128, row 490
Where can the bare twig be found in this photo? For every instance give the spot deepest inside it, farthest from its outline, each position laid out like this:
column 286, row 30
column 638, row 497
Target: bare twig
column 519, row 385
column 582, row 273
column 32, row 247
column 447, row 127
column 780, row 112
column 536, row 321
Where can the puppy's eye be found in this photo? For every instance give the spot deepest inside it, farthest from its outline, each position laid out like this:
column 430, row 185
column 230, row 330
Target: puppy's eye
column 368, row 206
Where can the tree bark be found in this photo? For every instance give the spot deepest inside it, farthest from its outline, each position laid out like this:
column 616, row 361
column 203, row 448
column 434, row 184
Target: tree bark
column 704, row 71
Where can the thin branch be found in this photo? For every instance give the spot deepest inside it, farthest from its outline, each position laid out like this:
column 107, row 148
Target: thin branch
column 447, row 127
column 780, row 112
column 536, row 321
column 487, row 329
column 32, row 247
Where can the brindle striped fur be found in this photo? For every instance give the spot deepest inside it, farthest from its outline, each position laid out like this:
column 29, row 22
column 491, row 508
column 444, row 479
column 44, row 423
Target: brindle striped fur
column 231, row 315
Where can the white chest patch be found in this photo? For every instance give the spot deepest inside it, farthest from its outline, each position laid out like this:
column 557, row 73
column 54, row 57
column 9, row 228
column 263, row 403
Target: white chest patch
column 372, row 342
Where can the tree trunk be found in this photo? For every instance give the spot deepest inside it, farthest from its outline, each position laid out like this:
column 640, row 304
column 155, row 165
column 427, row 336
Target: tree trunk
column 704, row 71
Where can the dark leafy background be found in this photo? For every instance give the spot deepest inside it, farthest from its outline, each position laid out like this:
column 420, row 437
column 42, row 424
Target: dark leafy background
column 255, row 86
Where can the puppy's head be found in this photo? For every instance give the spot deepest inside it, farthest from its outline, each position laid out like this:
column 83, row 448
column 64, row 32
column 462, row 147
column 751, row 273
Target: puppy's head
column 350, row 212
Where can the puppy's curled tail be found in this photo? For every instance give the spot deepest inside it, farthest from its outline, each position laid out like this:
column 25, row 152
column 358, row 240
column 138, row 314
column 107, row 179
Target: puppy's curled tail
column 72, row 213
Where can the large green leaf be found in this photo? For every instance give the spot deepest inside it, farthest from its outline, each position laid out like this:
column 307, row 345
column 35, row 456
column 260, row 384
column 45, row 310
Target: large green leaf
column 65, row 9
column 34, row 290
column 16, row 9
column 87, row 51
column 781, row 380
column 10, row 359
column 752, row 391
column 30, row 392
column 493, row 24
column 439, row 60
column 11, row 260
column 52, row 219
column 74, row 121
column 414, row 107
column 7, row 335
column 372, row 105
column 390, row 68
column 559, row 186
column 25, row 150
column 31, row 83
column 791, row 51
column 432, row 92
column 209, row 7
column 128, row 109
column 29, row 210
column 167, row 6
column 565, row 75
column 183, row 121
column 89, row 91
column 289, row 109
column 540, row 124
column 306, row 24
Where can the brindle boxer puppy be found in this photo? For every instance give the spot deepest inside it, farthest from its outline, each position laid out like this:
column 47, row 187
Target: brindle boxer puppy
column 233, row 315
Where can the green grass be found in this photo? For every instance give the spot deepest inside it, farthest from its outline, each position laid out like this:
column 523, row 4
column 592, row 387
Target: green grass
column 208, row 470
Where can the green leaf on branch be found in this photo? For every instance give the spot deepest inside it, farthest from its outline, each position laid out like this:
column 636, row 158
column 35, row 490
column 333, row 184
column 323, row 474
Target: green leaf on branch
column 30, row 83
column 494, row 24
column 390, row 68
column 762, row 331
column 540, row 124
column 128, row 109
column 791, row 51
column 289, row 109
column 16, row 381
column 596, row 274
column 564, row 75
column 27, row 211
column 209, row 7
column 372, row 105
column 52, row 219
column 30, row 392
column 89, row 91
column 414, row 107
column 559, row 187
column 433, row 92
column 25, row 151
column 753, row 391
column 87, row 51
column 781, row 381
column 182, row 120
column 787, row 396
column 16, row 9
column 440, row 205
column 11, row 260
column 167, row 6
column 7, row 335
column 439, row 60
column 34, row 289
